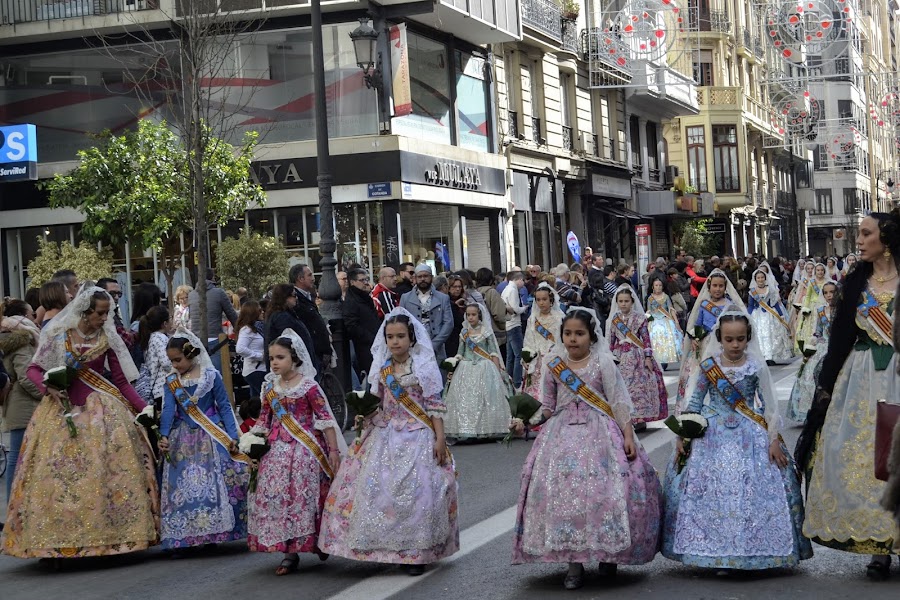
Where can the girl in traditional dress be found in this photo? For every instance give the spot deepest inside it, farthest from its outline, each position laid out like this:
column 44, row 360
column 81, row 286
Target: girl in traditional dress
column 736, row 504
column 769, row 318
column 85, row 483
column 306, row 446
column 589, row 492
column 716, row 294
column 395, row 498
column 811, row 300
column 204, row 485
column 540, row 335
column 838, row 440
column 476, row 397
column 629, row 341
column 849, row 264
column 831, row 270
column 805, row 386
column 665, row 333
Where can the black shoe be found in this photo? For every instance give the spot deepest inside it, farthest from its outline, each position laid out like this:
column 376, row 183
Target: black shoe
column 878, row 570
column 573, row 582
column 771, row 363
column 415, row 570
column 608, row 569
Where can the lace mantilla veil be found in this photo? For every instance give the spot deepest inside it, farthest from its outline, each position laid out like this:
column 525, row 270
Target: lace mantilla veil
column 51, row 351
column 637, row 309
column 424, row 364
column 202, row 360
column 730, row 292
column 555, row 310
column 487, row 327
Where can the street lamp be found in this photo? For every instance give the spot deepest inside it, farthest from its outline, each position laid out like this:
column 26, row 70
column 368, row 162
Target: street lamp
column 365, row 42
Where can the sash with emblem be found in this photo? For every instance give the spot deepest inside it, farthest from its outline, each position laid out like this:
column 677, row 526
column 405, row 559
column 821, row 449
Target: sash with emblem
column 189, row 404
column 566, row 376
column 880, row 321
column 471, row 345
column 711, row 308
column 90, row 377
column 626, row 331
column 729, row 391
column 543, row 331
column 761, row 300
column 297, row 432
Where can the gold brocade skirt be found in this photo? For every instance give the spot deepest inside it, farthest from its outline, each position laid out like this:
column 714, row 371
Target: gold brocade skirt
column 91, row 495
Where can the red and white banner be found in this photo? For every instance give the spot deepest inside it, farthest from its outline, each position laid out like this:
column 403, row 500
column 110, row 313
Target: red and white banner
column 400, row 71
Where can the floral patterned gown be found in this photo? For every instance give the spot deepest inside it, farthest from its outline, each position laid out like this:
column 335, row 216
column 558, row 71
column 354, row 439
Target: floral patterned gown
column 646, row 387
column 539, row 346
column 774, row 338
column 390, row 501
column 689, row 363
column 731, row 507
column 806, row 319
column 204, row 491
column 665, row 334
column 805, row 386
column 286, row 508
column 581, row 499
column 91, row 495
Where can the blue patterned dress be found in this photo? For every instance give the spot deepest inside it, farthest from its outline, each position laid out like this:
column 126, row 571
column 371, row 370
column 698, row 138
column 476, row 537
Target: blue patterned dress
column 731, row 507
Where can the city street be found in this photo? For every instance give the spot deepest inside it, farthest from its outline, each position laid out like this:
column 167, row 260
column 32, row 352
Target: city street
column 489, row 485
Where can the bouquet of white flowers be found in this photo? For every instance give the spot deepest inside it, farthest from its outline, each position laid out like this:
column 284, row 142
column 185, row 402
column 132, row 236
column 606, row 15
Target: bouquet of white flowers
column 364, row 403
column 255, row 446
column 450, row 364
column 688, row 426
column 527, row 355
column 148, row 419
column 60, row 379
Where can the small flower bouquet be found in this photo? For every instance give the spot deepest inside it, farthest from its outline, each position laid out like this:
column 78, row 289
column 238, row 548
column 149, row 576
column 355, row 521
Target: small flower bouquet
column 364, row 403
column 688, row 426
column 522, row 407
column 60, row 379
column 147, row 418
column 649, row 317
column 527, row 355
column 700, row 332
column 450, row 364
column 808, row 352
column 254, row 445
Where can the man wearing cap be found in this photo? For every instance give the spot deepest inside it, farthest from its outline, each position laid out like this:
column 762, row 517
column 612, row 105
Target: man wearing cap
column 431, row 308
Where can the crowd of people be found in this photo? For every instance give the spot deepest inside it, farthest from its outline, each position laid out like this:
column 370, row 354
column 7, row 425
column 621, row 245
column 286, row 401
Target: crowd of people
column 123, row 435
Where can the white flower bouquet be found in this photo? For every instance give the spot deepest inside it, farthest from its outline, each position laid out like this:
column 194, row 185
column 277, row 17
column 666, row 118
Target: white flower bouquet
column 450, row 364
column 255, row 446
column 60, row 379
column 147, row 418
column 688, row 426
column 364, row 403
column 527, row 355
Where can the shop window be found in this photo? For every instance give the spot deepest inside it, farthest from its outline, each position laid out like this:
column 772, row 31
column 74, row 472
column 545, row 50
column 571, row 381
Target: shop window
column 725, row 155
column 358, row 231
column 424, row 225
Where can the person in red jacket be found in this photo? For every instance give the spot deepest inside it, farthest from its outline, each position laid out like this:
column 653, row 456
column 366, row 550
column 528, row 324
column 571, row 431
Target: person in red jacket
column 696, row 281
column 383, row 294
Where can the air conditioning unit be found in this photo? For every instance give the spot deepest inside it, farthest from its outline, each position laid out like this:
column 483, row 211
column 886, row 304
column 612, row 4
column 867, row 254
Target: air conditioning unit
column 671, row 175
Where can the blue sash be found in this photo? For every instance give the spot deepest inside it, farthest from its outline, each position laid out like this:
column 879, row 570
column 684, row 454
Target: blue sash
column 565, row 375
column 729, row 391
column 712, row 309
column 545, row 333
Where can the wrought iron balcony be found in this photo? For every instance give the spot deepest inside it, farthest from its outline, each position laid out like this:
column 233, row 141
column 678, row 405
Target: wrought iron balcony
column 747, row 38
column 543, row 16
column 567, row 138
column 758, row 49
column 536, row 130
column 719, row 21
column 513, row 119
column 570, row 36
column 595, row 140
column 32, row 11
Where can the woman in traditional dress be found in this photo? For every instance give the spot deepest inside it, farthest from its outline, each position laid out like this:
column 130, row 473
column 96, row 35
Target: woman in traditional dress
column 541, row 335
column 204, row 484
column 85, row 483
column 306, row 446
column 769, row 318
column 838, row 440
column 665, row 334
column 629, row 342
column 477, row 393
column 715, row 295
column 589, row 492
column 811, row 300
column 738, row 475
column 394, row 499
column 805, row 386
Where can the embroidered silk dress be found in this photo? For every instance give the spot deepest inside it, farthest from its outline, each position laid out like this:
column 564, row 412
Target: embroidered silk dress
column 539, row 344
column 91, row 495
column 706, row 319
column 390, row 501
column 804, row 389
column 476, row 397
column 842, row 503
column 806, row 317
column 581, row 499
column 731, row 507
column 286, row 508
column 204, row 491
column 646, row 387
column 774, row 338
column 665, row 335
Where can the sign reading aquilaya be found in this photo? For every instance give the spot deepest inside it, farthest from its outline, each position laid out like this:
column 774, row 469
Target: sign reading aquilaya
column 18, row 153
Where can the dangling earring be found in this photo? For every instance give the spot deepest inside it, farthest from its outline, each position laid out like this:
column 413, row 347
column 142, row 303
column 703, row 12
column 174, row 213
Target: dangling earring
column 887, row 253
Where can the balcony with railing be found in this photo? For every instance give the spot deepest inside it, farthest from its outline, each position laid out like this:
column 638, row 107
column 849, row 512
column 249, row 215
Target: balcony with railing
column 728, row 99
column 589, row 143
column 33, row 11
column 719, row 21
column 570, row 36
column 748, row 43
column 567, row 142
column 758, row 49
column 536, row 136
column 543, row 16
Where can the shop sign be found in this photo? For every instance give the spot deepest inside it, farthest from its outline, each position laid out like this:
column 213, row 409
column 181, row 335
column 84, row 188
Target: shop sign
column 613, row 187
column 18, row 153
column 453, row 175
column 379, row 190
column 643, row 229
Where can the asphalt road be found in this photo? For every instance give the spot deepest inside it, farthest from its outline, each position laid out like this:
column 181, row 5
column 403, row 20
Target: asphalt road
column 489, row 485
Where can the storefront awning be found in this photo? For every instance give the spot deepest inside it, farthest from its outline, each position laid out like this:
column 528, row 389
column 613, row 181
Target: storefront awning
column 621, row 211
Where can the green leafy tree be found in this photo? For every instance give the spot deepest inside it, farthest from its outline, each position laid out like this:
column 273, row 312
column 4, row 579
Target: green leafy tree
column 138, row 188
column 252, row 261
column 87, row 262
column 692, row 237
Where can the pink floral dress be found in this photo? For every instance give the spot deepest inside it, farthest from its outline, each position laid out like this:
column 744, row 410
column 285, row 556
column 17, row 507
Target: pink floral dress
column 646, row 386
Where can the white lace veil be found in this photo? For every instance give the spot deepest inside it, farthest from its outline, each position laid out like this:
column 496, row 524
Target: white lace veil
column 306, row 369
column 486, row 325
column 637, row 309
column 202, row 360
column 51, row 351
column 798, row 270
column 424, row 364
column 773, row 410
column 555, row 308
column 770, row 281
column 601, row 346
column 730, row 293
column 847, row 265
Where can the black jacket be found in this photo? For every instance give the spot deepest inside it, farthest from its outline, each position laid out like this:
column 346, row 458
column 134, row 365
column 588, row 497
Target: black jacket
column 402, row 287
column 361, row 323
column 277, row 322
column 308, row 313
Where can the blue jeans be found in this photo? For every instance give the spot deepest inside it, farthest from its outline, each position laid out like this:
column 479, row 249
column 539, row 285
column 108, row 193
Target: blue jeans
column 254, row 382
column 16, row 436
column 217, row 357
column 514, row 340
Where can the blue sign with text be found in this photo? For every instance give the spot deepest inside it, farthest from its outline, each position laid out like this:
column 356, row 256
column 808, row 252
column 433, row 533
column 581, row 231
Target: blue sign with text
column 18, row 152
column 379, row 190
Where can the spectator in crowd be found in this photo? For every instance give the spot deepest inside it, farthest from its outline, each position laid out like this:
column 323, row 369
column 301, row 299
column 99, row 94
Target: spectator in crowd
column 280, row 316
column 472, row 294
column 384, row 297
column 182, row 316
column 114, row 289
column 69, row 279
column 153, row 337
column 145, row 296
column 515, row 337
column 251, row 346
column 442, row 284
column 361, row 320
column 405, row 283
column 343, row 283
column 456, row 289
column 305, row 310
column 696, row 281
column 218, row 309
column 595, row 273
column 243, row 295
column 569, row 293
column 33, row 298
column 623, row 275
column 53, row 297
column 533, row 278
column 431, row 308
column 493, row 301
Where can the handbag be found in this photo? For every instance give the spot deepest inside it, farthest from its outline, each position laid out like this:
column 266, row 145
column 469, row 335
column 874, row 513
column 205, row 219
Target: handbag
column 885, row 421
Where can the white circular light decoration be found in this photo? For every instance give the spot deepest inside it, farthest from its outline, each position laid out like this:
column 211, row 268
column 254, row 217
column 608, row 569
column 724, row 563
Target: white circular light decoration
column 801, row 28
column 796, row 114
column 840, row 143
column 642, row 30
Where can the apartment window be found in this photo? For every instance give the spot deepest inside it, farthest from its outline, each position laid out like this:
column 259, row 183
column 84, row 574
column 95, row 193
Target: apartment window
column 703, row 68
column 851, row 201
column 725, row 157
column 635, row 132
column 696, row 150
column 820, row 158
column 566, row 99
column 652, row 148
column 609, row 142
column 823, row 203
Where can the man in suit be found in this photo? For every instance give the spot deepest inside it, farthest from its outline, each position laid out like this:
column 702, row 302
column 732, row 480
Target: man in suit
column 306, row 311
column 431, row 308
